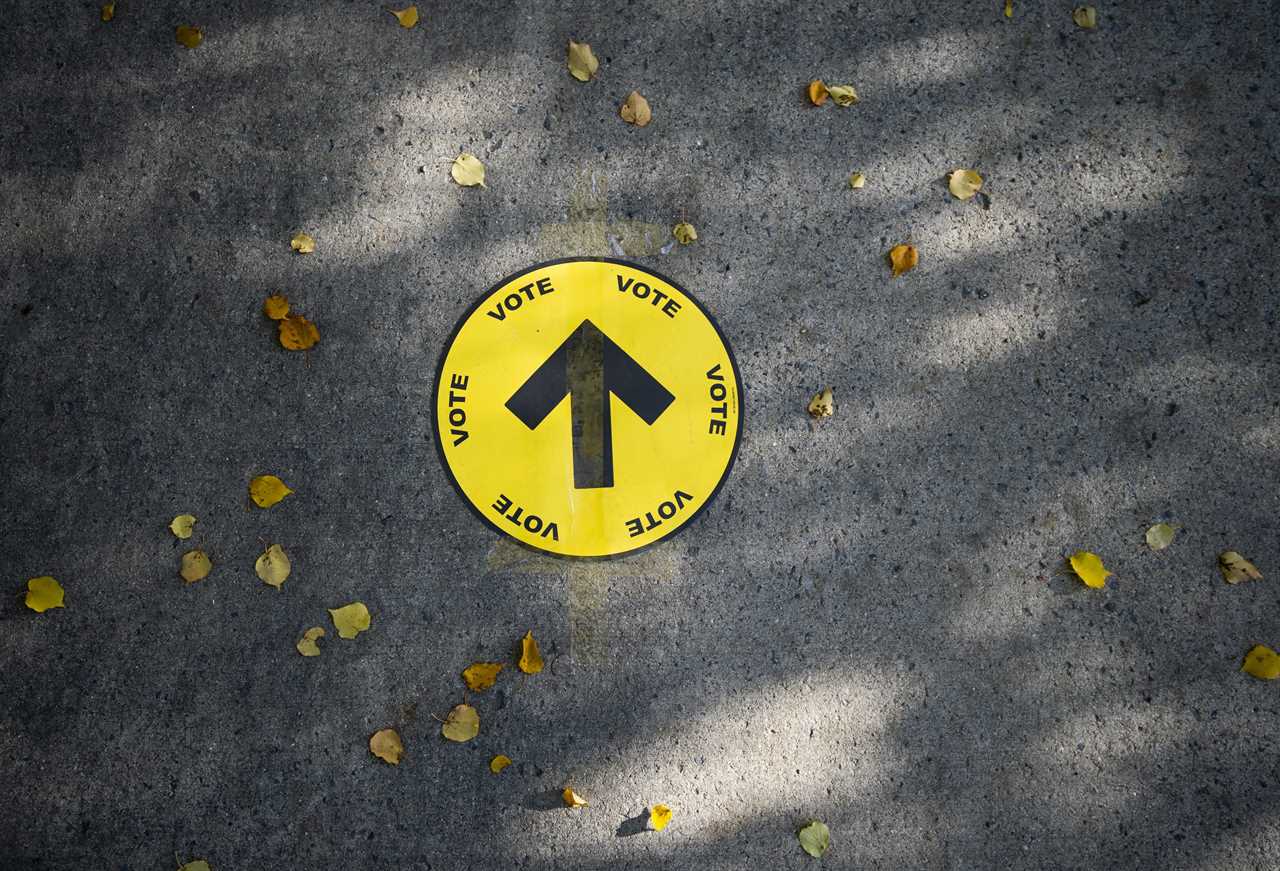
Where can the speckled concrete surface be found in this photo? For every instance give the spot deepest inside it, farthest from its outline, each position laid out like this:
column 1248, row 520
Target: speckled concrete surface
column 866, row 627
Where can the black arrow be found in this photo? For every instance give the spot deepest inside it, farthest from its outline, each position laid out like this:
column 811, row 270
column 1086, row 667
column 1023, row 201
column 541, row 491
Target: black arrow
column 589, row 366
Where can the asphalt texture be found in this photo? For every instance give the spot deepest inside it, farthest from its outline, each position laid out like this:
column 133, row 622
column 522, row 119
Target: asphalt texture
column 869, row 626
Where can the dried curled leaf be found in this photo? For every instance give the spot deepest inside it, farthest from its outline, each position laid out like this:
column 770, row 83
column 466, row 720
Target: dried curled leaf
column 188, row 35
column 857, row 180
column 815, row 838
column 964, row 183
column 276, row 307
column 462, row 724
column 499, row 762
column 307, row 643
column 1085, row 16
column 818, row 92
column 297, row 333
column 273, row 566
column 44, row 593
column 844, row 95
column 407, row 17
column 303, row 244
column 481, row 675
column 582, row 61
column 1262, row 662
column 108, row 11
column 1236, row 568
column 635, row 110
column 1008, row 8
column 467, row 170
column 659, row 816
column 530, row 656
column 1089, row 567
column 386, row 745
column 572, row 799
column 267, row 490
column 1160, row 536
column 903, row 258
column 351, row 620
column 684, row 233
column 823, row 404
column 183, row 525
column 196, row 566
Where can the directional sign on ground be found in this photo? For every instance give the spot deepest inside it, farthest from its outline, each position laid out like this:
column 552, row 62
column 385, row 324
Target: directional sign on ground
column 587, row 408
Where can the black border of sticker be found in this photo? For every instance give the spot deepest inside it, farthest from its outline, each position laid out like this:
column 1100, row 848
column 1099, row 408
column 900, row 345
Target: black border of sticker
column 435, row 400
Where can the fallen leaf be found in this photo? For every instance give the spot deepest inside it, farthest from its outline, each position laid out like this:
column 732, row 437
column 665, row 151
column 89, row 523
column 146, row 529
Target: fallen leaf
column 1262, row 662
column 857, row 180
column 467, row 170
column 196, row 865
column 1008, row 8
column 462, row 724
column 964, row 183
column 1160, row 536
column 307, row 644
column 1236, row 568
column 108, row 11
column 195, row 566
column 44, row 593
column 182, row 525
column 1089, row 567
column 684, row 233
column 303, row 244
column 276, row 307
column 815, row 838
column 499, row 762
column 297, row 333
column 481, row 675
column 659, row 816
column 351, row 620
column 407, row 17
column 572, row 799
column 530, row 656
column 844, row 95
column 1085, row 16
column 385, row 744
column 635, row 110
column 267, row 490
column 822, row 404
column 188, row 36
column 903, row 258
column 582, row 61
column 273, row 566
column 818, row 92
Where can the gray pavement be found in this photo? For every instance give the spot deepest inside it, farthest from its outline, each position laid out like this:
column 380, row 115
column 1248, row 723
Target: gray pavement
column 867, row 627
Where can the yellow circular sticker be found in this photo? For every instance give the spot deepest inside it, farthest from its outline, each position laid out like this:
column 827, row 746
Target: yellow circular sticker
column 587, row 407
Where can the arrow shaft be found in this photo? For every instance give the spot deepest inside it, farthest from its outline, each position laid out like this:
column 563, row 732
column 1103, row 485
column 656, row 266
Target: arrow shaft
column 589, row 409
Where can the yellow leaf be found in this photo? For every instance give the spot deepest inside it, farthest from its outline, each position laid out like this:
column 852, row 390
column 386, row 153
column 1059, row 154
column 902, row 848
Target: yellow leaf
column 307, row 644
column 659, row 816
column 462, row 724
column 303, row 244
column 189, row 36
column 572, row 799
column 407, row 17
column 195, row 566
column 964, row 183
column 385, row 744
column 530, row 656
column 44, row 593
column 582, row 61
column 817, row 92
column 276, row 307
column 684, row 233
column 197, row 865
column 351, row 620
column 1085, row 16
column 903, row 258
column 481, row 675
column 815, row 838
column 499, row 762
column 857, row 180
column 1236, row 568
column 822, row 404
column 1262, row 662
column 844, row 95
column 1160, row 536
column 267, row 490
column 273, row 566
column 297, row 333
column 182, row 525
column 467, row 170
column 1008, row 8
column 635, row 110
column 1089, row 567
column 108, row 11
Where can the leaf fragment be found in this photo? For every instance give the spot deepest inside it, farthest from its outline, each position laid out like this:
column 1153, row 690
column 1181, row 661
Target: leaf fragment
column 386, row 745
column 307, row 643
column 481, row 675
column 964, row 183
column 267, row 490
column 844, row 95
column 684, row 233
column 903, row 258
column 188, row 35
column 183, row 525
column 499, row 762
column 1089, row 567
column 1235, row 568
column 818, row 92
column 273, row 566
column 1085, row 16
column 572, row 799
column 196, row 865
column 108, row 11
column 815, row 838
column 530, row 656
column 1160, row 536
column 303, row 244
column 351, row 620
column 659, row 816
column 196, row 566
column 635, row 110
column 1008, row 8
column 462, row 724
column 1262, row 662
column 857, row 181
column 408, row 16
column 276, row 307
column 297, row 333
column 44, row 593
column 823, row 404
column 467, row 170
column 582, row 61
